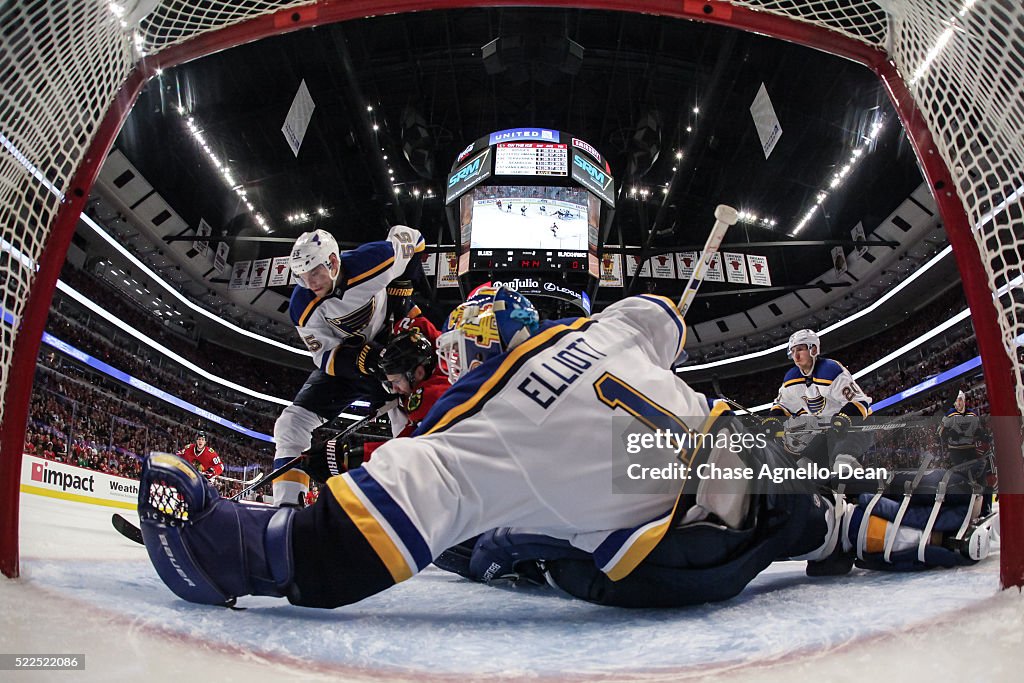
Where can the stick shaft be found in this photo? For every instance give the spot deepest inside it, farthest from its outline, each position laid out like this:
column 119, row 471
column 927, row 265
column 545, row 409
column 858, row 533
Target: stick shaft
column 270, row 476
column 725, row 216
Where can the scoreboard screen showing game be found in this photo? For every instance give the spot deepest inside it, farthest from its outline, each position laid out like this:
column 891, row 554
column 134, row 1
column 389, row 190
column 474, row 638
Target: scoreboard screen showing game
column 531, row 158
column 522, row 227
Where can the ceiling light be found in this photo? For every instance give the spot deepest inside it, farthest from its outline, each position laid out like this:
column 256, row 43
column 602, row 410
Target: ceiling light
column 369, row 107
column 696, row 110
column 376, row 127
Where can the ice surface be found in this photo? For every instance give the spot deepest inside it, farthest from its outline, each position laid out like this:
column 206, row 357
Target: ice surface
column 85, row 589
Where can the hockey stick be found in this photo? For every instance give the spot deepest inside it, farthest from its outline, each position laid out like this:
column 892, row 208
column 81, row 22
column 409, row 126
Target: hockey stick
column 134, row 533
column 725, row 216
column 246, row 482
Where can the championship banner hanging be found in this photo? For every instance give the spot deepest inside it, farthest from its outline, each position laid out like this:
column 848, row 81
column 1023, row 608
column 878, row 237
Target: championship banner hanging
column 633, row 262
column 279, row 272
column 735, row 268
column 447, row 269
column 611, row 270
column 714, row 272
column 758, row 269
column 260, row 273
column 429, row 263
column 663, row 266
column 239, row 275
column 685, row 262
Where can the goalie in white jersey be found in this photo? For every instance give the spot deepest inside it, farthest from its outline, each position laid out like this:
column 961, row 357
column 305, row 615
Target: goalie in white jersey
column 340, row 310
column 524, row 438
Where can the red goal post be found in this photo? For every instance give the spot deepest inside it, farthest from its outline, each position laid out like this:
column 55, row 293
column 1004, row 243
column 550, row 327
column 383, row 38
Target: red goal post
column 72, row 70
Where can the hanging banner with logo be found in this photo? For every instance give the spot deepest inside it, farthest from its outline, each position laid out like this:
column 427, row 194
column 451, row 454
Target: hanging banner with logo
column 838, row 260
column 260, row 273
column 204, row 230
column 239, row 274
column 279, row 272
column 447, row 269
column 758, row 269
column 685, row 262
column 611, row 270
column 220, row 259
column 633, row 262
column 714, row 272
column 663, row 266
column 857, row 234
column 735, row 268
column 429, row 263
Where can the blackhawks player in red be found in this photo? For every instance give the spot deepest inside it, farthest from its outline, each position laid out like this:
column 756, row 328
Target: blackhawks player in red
column 409, row 363
column 202, row 457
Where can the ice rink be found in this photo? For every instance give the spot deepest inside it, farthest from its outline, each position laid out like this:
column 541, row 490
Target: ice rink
column 494, row 229
column 86, row 590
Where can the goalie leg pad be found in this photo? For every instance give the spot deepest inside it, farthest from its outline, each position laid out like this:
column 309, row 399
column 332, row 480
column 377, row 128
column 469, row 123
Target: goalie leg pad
column 206, row 549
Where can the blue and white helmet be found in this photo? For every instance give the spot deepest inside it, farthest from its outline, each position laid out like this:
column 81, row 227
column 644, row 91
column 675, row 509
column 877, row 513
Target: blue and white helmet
column 806, row 337
column 490, row 322
column 312, row 249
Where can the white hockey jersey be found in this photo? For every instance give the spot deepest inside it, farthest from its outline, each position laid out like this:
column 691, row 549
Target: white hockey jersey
column 355, row 312
column 827, row 390
column 526, row 440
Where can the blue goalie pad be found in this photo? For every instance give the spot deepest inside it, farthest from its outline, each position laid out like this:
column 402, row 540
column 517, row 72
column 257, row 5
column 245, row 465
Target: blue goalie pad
column 206, row 549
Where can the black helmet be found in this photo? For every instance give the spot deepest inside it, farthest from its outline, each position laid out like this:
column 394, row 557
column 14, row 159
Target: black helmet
column 407, row 351
column 200, row 435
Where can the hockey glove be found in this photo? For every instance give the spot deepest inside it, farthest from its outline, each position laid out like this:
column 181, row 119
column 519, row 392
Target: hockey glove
column 399, row 299
column 368, row 360
column 841, row 423
column 331, row 458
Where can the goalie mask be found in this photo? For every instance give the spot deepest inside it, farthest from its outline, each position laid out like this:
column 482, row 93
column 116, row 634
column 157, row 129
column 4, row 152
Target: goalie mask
column 808, row 338
column 313, row 250
column 492, row 321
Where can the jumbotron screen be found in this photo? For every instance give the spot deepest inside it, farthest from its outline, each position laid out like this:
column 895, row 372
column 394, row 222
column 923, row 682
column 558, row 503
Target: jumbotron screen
column 527, row 217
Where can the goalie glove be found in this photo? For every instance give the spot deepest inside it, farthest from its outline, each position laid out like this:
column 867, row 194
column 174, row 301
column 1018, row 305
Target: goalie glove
column 331, row 458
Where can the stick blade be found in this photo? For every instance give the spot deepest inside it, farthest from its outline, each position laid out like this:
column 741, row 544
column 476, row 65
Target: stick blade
column 126, row 528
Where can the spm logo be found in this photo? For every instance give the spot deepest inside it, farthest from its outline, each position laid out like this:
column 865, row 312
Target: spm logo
column 470, row 170
column 596, row 174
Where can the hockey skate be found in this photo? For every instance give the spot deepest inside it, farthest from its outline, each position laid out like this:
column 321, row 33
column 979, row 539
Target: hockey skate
column 836, row 554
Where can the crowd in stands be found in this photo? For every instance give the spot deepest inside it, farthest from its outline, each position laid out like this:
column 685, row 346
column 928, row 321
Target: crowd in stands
column 78, row 416
column 253, row 373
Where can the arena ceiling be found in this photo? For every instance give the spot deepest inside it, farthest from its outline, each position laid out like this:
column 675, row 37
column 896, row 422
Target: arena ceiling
column 647, row 90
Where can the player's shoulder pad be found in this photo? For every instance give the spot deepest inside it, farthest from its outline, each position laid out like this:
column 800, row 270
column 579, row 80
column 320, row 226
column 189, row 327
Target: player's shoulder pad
column 302, row 304
column 367, row 260
column 793, row 374
column 826, row 368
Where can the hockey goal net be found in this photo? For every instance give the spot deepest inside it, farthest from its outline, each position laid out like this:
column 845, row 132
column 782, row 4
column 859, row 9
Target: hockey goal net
column 72, row 68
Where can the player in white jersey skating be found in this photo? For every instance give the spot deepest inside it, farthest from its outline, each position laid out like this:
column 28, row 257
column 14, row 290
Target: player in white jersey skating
column 340, row 310
column 491, row 454
column 822, row 402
